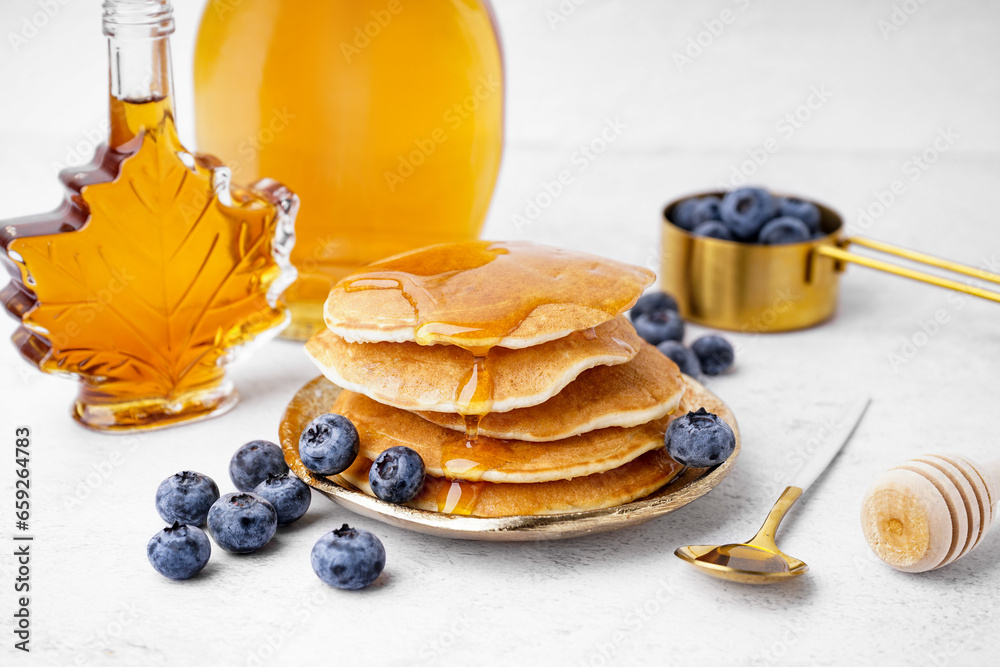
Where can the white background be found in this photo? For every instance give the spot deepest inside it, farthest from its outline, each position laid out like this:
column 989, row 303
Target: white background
column 606, row 599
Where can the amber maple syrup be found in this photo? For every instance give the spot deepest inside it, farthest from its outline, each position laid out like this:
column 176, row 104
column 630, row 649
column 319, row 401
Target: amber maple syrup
column 154, row 271
column 393, row 141
column 458, row 496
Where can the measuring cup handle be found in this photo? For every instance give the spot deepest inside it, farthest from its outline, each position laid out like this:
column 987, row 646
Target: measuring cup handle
column 841, row 254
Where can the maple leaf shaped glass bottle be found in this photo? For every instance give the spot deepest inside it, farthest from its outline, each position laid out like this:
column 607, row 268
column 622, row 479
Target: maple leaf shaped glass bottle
column 155, row 272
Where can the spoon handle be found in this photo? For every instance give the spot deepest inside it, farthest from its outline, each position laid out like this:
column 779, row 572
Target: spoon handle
column 765, row 536
column 835, row 440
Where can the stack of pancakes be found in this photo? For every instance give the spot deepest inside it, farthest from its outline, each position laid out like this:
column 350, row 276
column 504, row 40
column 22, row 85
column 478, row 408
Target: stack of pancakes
column 514, row 373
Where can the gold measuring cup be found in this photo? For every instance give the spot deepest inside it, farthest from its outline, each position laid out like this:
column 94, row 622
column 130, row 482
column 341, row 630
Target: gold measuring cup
column 762, row 288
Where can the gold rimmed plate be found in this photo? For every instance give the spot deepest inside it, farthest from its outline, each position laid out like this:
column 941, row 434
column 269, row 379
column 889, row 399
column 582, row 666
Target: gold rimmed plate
column 317, row 396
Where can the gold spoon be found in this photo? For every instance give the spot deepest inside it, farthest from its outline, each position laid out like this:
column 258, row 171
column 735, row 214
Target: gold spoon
column 759, row 561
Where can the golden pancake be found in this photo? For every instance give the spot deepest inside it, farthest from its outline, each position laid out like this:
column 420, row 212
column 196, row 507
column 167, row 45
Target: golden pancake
column 430, row 377
column 646, row 388
column 447, row 453
column 482, row 294
column 631, row 481
column 624, row 484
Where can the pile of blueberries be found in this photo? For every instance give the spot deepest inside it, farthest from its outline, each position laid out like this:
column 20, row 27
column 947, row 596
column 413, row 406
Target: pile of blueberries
column 749, row 215
column 658, row 322
column 270, row 496
column 241, row 522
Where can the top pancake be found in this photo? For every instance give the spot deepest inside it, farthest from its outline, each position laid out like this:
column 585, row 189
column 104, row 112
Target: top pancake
column 429, row 377
column 482, row 294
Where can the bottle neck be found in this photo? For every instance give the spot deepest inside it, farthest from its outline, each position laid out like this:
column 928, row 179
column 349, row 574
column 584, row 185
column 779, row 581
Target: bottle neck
column 141, row 80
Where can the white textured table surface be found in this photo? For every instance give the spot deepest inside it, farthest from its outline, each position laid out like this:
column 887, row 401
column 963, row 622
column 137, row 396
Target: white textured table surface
column 620, row 598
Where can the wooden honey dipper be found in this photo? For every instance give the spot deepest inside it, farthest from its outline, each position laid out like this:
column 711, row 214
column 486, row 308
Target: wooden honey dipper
column 930, row 511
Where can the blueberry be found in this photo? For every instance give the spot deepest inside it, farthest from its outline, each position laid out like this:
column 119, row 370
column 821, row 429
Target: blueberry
column 329, row 444
column 253, row 462
column 745, row 211
column 179, row 552
column 699, row 440
column 651, row 302
column 706, row 208
column 683, row 212
column 805, row 211
column 685, row 359
column 242, row 522
column 784, row 230
column 397, row 475
column 289, row 495
column 350, row 558
column 713, row 229
column 186, row 497
column 659, row 326
column 714, row 353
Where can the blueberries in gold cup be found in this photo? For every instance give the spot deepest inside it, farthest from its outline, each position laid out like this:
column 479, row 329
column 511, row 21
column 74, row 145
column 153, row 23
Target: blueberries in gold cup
column 754, row 260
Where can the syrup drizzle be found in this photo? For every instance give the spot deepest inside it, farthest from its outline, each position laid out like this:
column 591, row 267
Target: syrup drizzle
column 458, row 497
column 474, row 397
column 461, row 293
